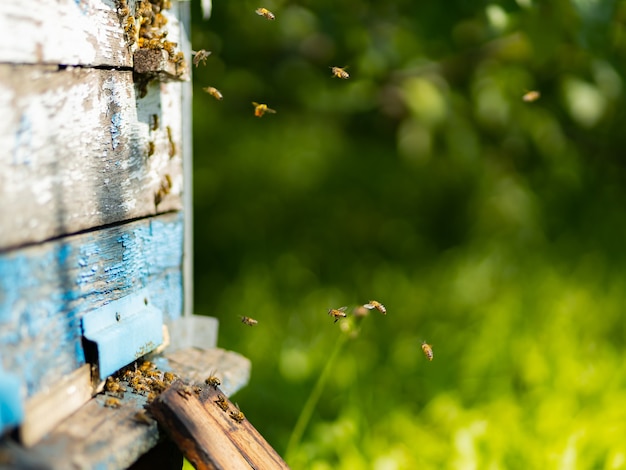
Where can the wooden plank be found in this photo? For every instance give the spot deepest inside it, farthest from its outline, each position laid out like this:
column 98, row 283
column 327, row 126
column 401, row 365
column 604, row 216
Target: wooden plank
column 196, row 364
column 49, row 407
column 85, row 32
column 99, row 436
column 82, row 150
column 45, row 291
column 73, row 32
column 210, row 431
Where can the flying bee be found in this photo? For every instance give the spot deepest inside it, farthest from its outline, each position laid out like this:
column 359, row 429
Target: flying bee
column 214, row 92
column 237, row 415
column 337, row 313
column 261, row 109
column 200, row 56
column 377, row 305
column 340, row 72
column 264, row 12
column 213, row 381
column 221, row 402
column 249, row 321
column 531, row 96
column 112, row 402
column 428, row 350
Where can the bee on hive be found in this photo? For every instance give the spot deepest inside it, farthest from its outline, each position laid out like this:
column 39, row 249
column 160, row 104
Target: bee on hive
column 221, row 402
column 213, row 381
column 237, row 415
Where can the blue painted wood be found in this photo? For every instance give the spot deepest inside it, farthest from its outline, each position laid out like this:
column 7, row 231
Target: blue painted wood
column 123, row 331
column 11, row 406
column 46, row 290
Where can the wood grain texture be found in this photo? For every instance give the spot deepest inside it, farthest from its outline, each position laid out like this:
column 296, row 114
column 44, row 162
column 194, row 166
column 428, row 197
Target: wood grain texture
column 81, row 150
column 196, row 364
column 97, row 436
column 209, row 436
column 71, row 32
column 51, row 406
column 45, row 291
column 85, row 32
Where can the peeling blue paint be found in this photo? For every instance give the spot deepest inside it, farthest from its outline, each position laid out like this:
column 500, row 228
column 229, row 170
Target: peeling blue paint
column 46, row 290
column 11, row 402
column 116, row 121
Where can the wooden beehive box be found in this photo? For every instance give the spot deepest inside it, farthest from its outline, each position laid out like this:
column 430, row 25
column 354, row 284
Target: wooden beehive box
column 95, row 227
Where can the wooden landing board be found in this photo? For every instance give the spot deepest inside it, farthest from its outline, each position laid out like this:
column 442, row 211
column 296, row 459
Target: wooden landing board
column 99, row 436
column 45, row 291
column 82, row 150
column 211, row 432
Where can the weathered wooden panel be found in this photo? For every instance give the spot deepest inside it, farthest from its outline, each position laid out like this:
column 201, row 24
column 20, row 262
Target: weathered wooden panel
column 47, row 409
column 45, row 291
column 80, row 150
column 71, row 32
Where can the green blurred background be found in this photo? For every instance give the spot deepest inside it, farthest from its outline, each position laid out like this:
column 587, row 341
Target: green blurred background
column 490, row 227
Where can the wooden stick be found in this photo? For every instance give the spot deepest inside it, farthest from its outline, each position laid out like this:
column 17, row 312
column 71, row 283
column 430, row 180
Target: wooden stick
column 210, row 431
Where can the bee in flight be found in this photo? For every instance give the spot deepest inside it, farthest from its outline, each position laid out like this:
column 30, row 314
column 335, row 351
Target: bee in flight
column 428, row 350
column 249, row 321
column 340, row 72
column 264, row 12
column 377, row 305
column 337, row 313
column 214, row 92
column 261, row 109
column 531, row 96
column 200, row 56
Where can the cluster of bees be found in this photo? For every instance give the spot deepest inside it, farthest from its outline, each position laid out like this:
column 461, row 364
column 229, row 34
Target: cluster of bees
column 235, row 414
column 143, row 379
column 146, row 28
column 188, row 390
column 260, row 109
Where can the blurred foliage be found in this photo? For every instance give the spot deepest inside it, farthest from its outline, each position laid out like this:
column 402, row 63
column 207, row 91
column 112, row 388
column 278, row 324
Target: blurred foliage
column 490, row 227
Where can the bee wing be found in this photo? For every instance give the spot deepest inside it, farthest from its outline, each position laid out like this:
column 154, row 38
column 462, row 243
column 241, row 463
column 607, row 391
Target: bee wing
column 342, row 309
column 369, row 306
column 270, row 110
